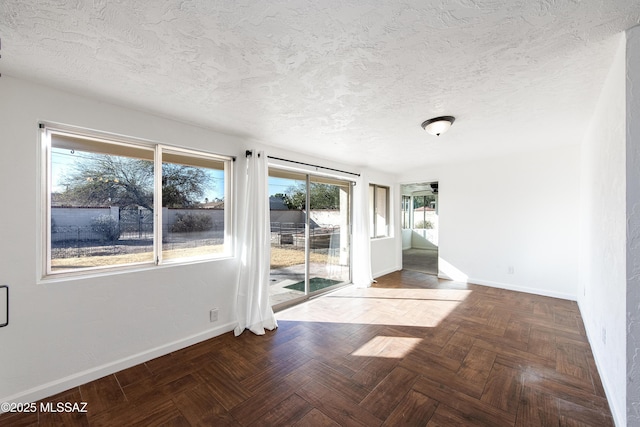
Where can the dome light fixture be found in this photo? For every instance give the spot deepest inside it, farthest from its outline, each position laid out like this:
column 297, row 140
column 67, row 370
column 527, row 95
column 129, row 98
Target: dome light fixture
column 438, row 125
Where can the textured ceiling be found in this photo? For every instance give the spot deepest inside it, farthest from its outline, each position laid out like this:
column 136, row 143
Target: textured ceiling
column 344, row 80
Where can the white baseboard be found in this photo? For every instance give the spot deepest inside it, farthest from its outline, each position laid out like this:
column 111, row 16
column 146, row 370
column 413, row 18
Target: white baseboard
column 619, row 416
column 536, row 291
column 443, row 276
column 511, row 287
column 386, row 271
column 54, row 387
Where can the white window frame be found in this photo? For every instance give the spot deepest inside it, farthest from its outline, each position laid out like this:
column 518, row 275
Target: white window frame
column 406, row 212
column 47, row 130
column 377, row 233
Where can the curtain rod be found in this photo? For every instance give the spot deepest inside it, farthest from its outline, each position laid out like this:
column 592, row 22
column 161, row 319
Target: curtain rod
column 315, row 166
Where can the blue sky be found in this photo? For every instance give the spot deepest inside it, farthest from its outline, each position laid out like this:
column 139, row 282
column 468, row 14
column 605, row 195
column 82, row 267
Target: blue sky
column 63, row 163
column 280, row 185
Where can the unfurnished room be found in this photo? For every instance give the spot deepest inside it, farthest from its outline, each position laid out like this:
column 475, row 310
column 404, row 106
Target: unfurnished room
column 320, row 213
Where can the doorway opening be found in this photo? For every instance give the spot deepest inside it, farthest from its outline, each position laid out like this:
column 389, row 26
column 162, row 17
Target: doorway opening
column 420, row 227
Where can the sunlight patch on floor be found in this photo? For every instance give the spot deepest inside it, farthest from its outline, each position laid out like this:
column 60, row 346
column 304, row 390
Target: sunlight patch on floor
column 388, row 347
column 379, row 306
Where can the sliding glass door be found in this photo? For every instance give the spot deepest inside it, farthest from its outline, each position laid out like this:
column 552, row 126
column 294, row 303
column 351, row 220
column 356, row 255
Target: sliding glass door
column 310, row 235
column 329, row 229
column 287, row 202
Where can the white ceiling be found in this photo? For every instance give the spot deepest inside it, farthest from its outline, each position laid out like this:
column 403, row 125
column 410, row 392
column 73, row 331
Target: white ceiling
column 343, row 80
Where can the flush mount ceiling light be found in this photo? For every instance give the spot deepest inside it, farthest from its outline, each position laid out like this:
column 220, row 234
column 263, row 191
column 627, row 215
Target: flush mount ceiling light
column 438, row 125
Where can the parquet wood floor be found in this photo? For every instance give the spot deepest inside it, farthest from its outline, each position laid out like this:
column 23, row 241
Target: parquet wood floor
column 412, row 350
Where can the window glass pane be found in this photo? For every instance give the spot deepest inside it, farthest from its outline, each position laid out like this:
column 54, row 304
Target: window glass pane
column 329, row 245
column 287, row 212
column 381, row 211
column 193, row 203
column 316, row 242
column 101, row 196
column 101, row 208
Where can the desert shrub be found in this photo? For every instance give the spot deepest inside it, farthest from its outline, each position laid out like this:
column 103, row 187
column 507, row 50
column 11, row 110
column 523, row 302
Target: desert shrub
column 192, row 222
column 426, row 224
column 107, row 226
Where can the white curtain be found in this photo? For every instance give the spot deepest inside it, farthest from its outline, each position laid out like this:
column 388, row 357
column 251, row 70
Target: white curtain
column 253, row 307
column 362, row 277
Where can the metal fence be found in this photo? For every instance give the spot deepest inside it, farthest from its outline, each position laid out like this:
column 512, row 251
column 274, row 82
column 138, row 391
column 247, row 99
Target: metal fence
column 292, row 235
column 131, row 233
column 182, row 240
column 134, row 234
column 136, row 224
column 81, row 241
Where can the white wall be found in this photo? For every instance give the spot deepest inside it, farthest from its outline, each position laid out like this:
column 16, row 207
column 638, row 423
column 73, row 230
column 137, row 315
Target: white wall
column 516, row 211
column 386, row 252
column 63, row 333
column 424, row 238
column 383, row 256
column 67, row 332
column 602, row 231
column 633, row 224
column 406, row 238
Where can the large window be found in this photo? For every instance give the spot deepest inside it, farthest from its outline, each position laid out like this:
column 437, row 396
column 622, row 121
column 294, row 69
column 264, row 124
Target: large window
column 112, row 202
column 378, row 210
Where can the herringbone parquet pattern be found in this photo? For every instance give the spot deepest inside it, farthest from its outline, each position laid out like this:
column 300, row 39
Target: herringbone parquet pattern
column 410, row 351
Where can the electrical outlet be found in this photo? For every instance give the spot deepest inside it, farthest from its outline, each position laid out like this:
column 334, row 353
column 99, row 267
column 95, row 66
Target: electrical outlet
column 213, row 315
column 510, row 269
column 604, row 336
